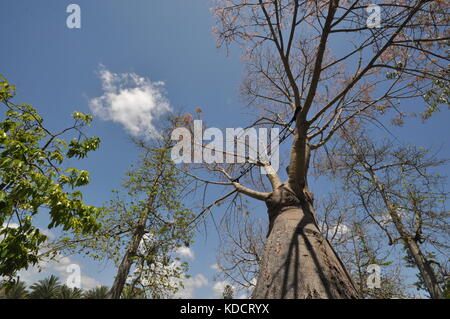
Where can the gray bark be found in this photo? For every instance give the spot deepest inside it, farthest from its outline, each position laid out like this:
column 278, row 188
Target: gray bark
column 127, row 261
column 425, row 269
column 298, row 262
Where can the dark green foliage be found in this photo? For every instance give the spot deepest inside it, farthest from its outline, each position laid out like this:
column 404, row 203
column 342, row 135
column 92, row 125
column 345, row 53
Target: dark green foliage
column 48, row 288
column 97, row 293
column 14, row 290
column 70, row 293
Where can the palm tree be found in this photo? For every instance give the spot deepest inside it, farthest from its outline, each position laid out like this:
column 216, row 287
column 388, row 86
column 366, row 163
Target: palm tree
column 48, row 288
column 70, row 293
column 97, row 293
column 17, row 290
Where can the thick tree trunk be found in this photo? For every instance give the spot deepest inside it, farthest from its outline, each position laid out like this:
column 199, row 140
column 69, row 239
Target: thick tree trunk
column 298, row 262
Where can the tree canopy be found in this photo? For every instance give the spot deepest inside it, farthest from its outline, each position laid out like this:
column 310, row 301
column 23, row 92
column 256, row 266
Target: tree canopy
column 33, row 180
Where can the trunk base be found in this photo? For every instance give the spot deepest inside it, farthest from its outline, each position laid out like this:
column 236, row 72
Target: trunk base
column 298, row 262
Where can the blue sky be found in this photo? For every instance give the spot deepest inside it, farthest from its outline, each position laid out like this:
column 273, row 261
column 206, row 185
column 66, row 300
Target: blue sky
column 56, row 70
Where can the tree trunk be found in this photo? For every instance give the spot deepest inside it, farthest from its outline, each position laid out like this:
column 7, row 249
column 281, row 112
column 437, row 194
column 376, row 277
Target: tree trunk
column 427, row 273
column 298, row 262
column 425, row 270
column 127, row 261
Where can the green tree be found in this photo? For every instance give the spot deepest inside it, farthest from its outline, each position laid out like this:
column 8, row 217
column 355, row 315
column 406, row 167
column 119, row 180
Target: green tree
column 447, row 289
column 15, row 290
column 157, row 221
column 131, row 292
column 48, row 288
column 70, row 293
column 32, row 179
column 97, row 293
column 143, row 226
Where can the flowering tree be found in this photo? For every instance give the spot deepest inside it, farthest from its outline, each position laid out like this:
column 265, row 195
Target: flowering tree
column 312, row 69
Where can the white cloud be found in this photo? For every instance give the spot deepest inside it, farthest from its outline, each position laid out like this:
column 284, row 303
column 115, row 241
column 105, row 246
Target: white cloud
column 61, row 264
column 337, row 230
column 47, row 233
column 215, row 267
column 190, row 285
column 7, row 225
column 10, row 225
column 185, row 252
column 44, row 231
column 386, row 218
column 89, row 282
column 47, row 266
column 244, row 295
column 131, row 100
